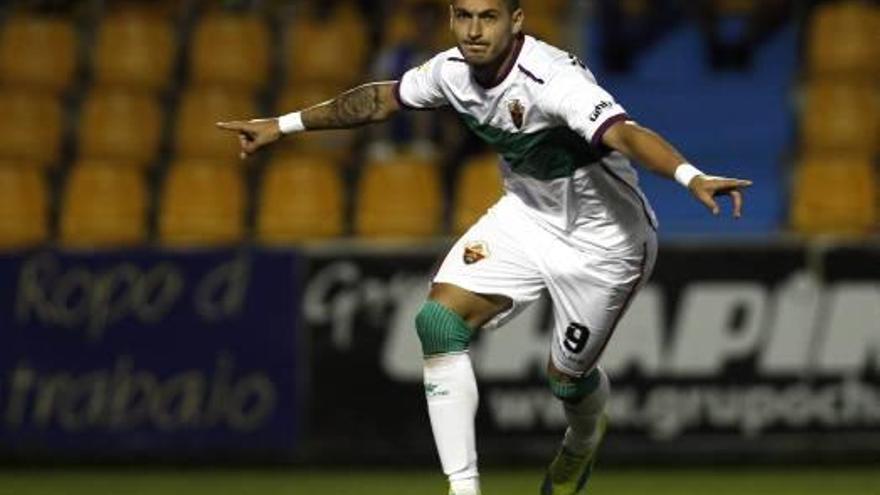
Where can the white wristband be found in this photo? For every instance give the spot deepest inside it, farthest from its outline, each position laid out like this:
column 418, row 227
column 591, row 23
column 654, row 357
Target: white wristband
column 685, row 173
column 290, row 123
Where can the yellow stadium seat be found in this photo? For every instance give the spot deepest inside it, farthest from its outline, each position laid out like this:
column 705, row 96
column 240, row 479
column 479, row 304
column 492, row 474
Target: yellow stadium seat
column 31, row 127
column 23, row 205
column 399, row 198
column 314, row 49
column 478, row 187
column 104, row 206
column 841, row 117
column 135, row 49
column 37, row 52
column 333, row 144
column 301, row 200
column 835, row 196
column 202, row 205
column 232, row 50
column 199, row 109
column 843, row 40
column 120, row 125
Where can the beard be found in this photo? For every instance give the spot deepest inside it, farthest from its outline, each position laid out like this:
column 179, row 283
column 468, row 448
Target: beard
column 484, row 58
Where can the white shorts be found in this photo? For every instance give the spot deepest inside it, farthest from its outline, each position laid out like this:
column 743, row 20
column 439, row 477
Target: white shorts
column 507, row 253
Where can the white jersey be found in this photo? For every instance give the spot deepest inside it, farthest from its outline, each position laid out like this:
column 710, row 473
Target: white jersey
column 546, row 119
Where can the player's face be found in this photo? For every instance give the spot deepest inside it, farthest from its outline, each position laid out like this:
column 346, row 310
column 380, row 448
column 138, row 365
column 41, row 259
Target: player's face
column 484, row 29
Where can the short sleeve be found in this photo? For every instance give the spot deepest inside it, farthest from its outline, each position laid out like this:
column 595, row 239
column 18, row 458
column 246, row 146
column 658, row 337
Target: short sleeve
column 576, row 99
column 419, row 88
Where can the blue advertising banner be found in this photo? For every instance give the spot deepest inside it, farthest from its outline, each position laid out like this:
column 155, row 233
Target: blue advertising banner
column 149, row 354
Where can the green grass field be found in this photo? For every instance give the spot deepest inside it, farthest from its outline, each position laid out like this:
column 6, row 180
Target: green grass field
column 804, row 481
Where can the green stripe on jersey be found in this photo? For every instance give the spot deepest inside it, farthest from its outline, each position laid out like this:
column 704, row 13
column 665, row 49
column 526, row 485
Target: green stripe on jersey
column 549, row 154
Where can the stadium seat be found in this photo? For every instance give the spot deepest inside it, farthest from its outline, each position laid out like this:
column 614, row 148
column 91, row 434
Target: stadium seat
column 478, row 187
column 336, row 145
column 835, row 196
column 231, row 50
column 23, row 205
column 198, row 111
column 399, row 198
column 31, row 127
column 135, row 49
column 841, row 117
column 104, row 206
column 202, row 205
column 315, row 47
column 37, row 53
column 120, row 125
column 301, row 199
column 843, row 40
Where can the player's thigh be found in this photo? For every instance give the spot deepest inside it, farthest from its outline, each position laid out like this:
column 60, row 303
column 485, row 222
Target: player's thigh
column 590, row 294
column 474, row 308
column 491, row 270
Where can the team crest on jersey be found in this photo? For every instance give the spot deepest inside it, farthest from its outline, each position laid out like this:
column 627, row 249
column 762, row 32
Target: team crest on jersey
column 475, row 251
column 517, row 113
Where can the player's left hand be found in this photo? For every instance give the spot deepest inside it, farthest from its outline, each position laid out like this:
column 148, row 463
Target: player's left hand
column 707, row 187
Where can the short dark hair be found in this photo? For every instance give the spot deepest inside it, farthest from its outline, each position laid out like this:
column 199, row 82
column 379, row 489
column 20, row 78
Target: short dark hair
column 511, row 4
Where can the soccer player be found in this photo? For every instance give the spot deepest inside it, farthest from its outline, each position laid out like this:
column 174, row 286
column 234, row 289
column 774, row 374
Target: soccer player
column 572, row 220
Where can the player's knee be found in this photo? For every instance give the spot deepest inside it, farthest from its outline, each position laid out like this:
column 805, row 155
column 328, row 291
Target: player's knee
column 574, row 389
column 441, row 330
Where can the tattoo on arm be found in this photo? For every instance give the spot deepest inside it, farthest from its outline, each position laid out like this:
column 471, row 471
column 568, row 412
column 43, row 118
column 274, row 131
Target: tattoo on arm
column 359, row 106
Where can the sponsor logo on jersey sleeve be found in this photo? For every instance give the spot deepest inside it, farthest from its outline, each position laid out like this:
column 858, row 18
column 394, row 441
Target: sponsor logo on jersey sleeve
column 600, row 109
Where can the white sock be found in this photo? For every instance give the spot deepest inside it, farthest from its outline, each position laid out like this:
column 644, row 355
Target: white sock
column 583, row 417
column 451, row 390
column 469, row 486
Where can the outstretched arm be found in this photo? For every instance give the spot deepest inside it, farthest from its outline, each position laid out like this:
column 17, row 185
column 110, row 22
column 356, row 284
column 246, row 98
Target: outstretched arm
column 656, row 154
column 365, row 104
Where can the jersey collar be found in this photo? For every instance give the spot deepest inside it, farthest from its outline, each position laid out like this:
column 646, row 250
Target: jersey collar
column 518, row 43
